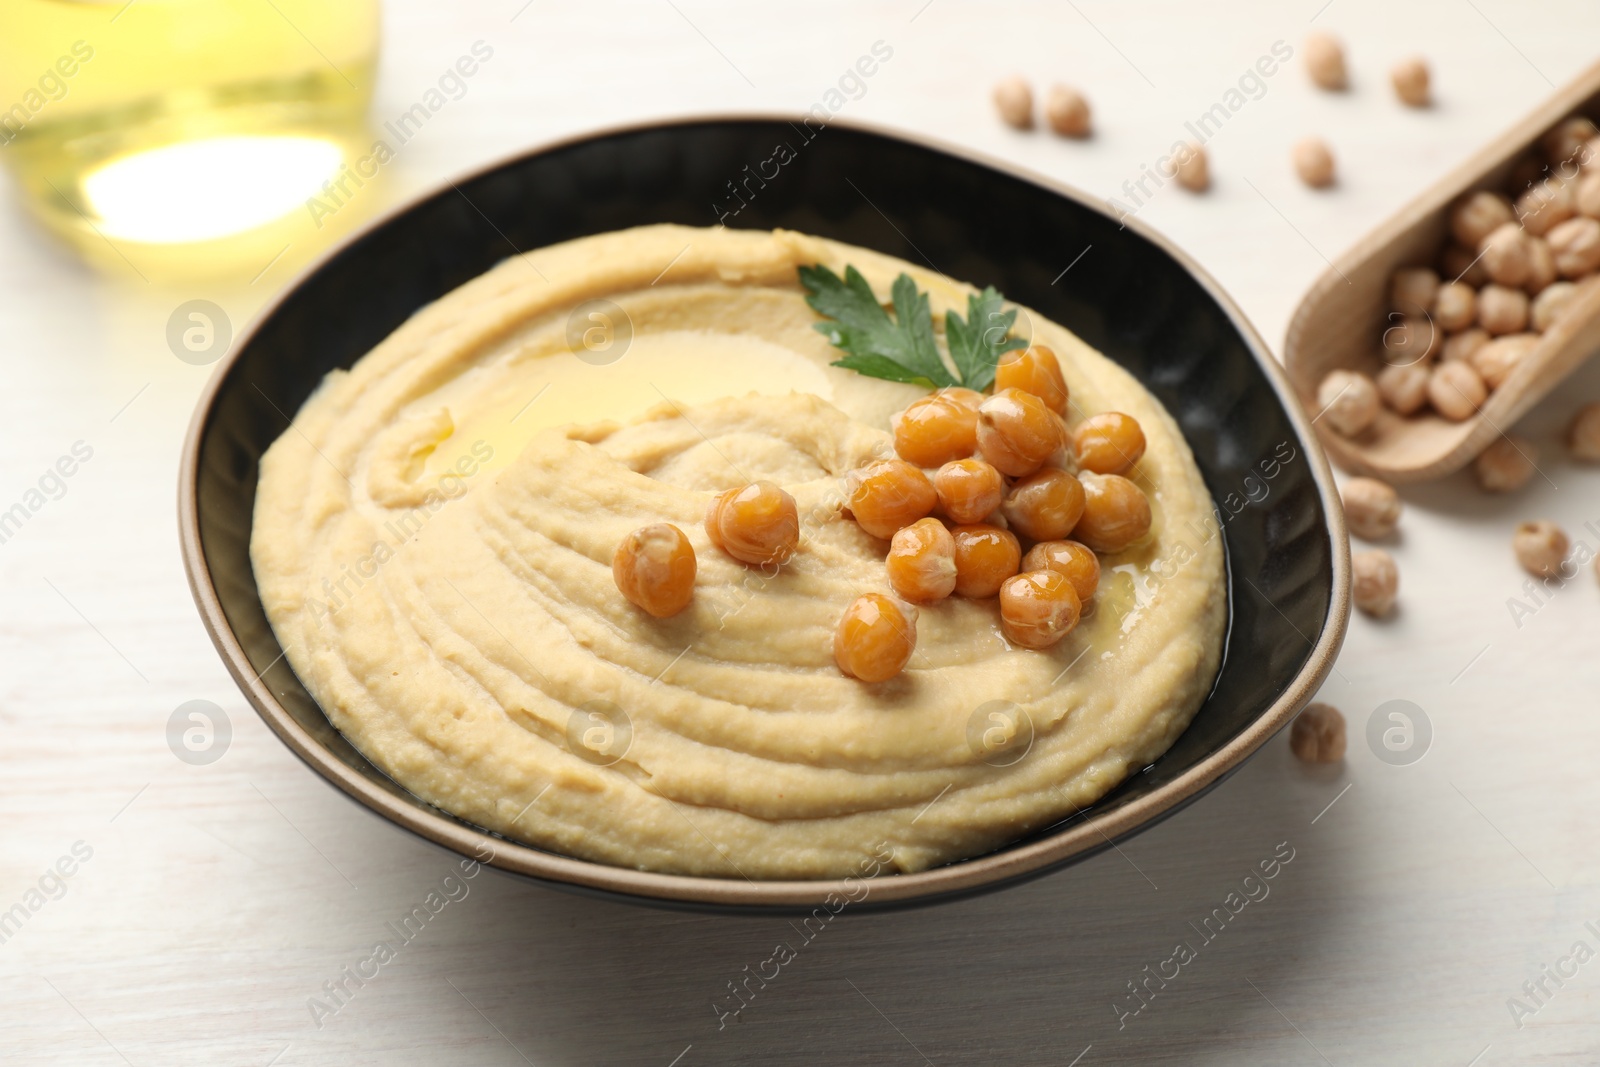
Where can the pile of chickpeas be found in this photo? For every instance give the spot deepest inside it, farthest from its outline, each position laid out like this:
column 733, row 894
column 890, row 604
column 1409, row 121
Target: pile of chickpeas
column 1511, row 270
column 1514, row 268
column 1001, row 478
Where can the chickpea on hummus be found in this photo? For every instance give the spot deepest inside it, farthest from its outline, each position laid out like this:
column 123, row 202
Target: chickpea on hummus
column 510, row 554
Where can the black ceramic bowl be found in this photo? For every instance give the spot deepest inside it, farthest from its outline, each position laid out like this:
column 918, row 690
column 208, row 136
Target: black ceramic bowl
column 1132, row 295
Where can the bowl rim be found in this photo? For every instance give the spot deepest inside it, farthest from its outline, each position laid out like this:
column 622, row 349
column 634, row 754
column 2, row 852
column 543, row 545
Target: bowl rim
column 1011, row 863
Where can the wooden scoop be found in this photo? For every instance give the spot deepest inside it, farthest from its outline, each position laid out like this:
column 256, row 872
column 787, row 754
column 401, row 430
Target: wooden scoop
column 1341, row 321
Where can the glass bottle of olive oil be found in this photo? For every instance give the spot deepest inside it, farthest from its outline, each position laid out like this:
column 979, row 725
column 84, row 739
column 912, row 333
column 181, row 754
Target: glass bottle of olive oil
column 183, row 138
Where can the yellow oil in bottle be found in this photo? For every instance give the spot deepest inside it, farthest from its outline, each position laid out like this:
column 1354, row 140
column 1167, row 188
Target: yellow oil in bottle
column 183, row 138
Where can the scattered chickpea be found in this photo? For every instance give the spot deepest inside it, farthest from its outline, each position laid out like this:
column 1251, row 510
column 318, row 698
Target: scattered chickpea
column 757, row 524
column 1033, row 370
column 1404, row 387
column 922, row 562
column 1413, row 290
column 1318, row 735
column 1583, row 436
column 1495, row 361
column 1463, row 344
column 1077, row 561
column 1586, row 196
column 1506, row 465
column 1502, row 310
column 1456, row 390
column 1377, row 581
column 1541, row 547
column 1013, row 98
column 1455, row 307
column 1348, row 400
column 1461, row 263
column 934, row 430
column 654, row 567
column 1475, row 216
column 1544, row 204
column 1575, row 244
column 1017, row 432
column 985, row 557
column 1549, row 305
column 1324, row 58
column 1505, row 255
column 1067, row 111
column 969, row 490
column 1371, row 508
column 1567, row 139
column 1116, row 513
column 875, row 638
column 889, row 495
column 1542, row 271
column 1108, row 443
column 1192, row 168
column 1038, row 609
column 1313, row 161
column 1410, row 78
column 1045, row 506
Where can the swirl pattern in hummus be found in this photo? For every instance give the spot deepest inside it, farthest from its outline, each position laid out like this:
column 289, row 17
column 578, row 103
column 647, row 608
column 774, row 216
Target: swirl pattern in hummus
column 441, row 580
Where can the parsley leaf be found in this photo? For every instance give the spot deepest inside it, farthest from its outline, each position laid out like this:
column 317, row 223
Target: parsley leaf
column 977, row 343
column 902, row 348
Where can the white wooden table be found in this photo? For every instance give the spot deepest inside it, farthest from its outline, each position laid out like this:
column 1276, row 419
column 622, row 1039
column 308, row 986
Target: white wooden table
column 216, row 900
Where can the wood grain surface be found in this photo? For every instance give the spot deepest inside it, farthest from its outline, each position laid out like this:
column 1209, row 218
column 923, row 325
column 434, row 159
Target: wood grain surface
column 211, row 908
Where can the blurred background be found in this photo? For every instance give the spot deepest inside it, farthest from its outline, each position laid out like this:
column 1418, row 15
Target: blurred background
column 168, row 166
column 183, row 139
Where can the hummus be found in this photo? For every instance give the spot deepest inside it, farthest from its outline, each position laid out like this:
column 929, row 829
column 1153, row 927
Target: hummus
column 433, row 539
